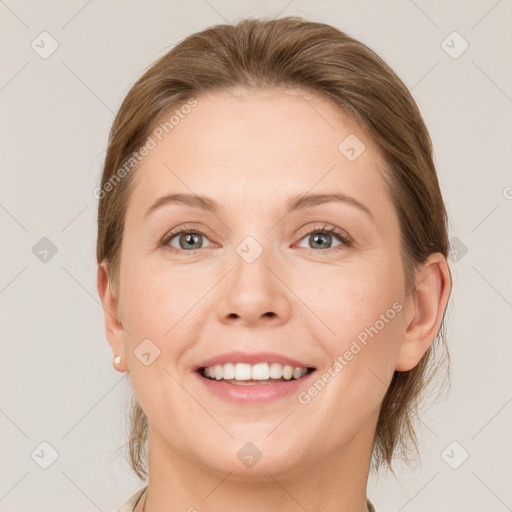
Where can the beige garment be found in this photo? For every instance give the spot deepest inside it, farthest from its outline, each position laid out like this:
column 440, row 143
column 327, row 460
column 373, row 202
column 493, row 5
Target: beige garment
column 130, row 505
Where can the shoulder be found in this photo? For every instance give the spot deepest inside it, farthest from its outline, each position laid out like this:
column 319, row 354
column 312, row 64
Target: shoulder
column 132, row 502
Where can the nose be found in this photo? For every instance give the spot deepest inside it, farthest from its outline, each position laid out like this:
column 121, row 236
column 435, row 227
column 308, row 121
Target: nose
column 254, row 293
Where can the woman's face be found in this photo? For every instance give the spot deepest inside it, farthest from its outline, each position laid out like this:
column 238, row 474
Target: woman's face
column 257, row 282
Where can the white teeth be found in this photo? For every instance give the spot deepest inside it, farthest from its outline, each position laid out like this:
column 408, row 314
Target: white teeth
column 288, row 372
column 276, row 371
column 260, row 371
column 242, row 371
column 229, row 371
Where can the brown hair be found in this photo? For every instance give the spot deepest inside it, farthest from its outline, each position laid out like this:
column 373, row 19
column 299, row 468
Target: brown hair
column 293, row 53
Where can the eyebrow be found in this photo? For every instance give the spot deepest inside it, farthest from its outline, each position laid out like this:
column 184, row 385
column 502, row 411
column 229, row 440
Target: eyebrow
column 294, row 204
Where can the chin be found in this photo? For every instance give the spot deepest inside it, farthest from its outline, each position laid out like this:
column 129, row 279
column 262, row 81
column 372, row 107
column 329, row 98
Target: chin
column 251, row 458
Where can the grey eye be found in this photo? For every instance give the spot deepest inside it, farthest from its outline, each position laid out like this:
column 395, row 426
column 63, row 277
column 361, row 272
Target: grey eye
column 320, row 240
column 187, row 241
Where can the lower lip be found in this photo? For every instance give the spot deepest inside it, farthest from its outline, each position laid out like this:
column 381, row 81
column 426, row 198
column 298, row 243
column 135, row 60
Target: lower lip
column 253, row 393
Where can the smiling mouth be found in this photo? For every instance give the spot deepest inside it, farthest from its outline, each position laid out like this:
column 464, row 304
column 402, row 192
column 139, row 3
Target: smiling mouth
column 247, row 374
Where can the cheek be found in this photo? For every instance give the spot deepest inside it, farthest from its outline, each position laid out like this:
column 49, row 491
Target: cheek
column 366, row 317
column 362, row 315
column 153, row 291
column 162, row 303
column 351, row 295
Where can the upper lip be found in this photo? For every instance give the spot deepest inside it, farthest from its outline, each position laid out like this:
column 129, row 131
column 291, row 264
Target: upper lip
column 254, row 358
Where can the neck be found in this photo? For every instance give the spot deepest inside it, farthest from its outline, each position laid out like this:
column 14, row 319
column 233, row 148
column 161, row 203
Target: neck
column 333, row 483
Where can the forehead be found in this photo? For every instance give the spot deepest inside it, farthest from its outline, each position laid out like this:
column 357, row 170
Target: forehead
column 257, row 146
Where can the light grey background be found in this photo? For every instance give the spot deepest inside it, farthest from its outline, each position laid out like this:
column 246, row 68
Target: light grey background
column 57, row 381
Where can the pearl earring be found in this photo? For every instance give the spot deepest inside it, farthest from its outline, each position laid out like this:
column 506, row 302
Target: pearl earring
column 117, row 359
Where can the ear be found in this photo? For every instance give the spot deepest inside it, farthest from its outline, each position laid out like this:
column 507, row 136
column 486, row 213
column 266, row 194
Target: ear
column 113, row 325
column 425, row 311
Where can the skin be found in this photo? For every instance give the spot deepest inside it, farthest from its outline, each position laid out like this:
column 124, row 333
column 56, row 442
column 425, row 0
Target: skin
column 251, row 152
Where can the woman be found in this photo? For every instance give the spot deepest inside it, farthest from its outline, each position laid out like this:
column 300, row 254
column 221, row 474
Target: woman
column 272, row 262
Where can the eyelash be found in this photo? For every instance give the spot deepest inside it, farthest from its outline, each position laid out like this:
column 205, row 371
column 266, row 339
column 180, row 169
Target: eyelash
column 341, row 235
